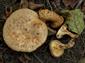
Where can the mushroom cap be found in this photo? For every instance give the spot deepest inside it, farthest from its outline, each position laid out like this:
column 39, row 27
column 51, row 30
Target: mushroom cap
column 23, row 31
column 49, row 15
column 56, row 48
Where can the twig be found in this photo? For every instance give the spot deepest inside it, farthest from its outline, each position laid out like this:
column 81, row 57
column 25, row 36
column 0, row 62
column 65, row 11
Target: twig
column 79, row 3
column 37, row 58
column 55, row 6
column 33, row 5
column 59, row 4
column 27, row 57
column 49, row 4
column 24, row 58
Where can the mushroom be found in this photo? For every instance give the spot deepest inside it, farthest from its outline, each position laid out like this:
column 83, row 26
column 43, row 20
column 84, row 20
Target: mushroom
column 47, row 15
column 23, row 31
column 57, row 48
column 63, row 31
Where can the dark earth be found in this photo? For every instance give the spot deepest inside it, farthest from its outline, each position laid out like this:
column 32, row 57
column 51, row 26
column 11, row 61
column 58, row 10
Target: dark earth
column 42, row 54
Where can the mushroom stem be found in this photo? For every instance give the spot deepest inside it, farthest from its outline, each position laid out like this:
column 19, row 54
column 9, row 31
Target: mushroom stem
column 70, row 44
column 63, row 31
column 51, row 31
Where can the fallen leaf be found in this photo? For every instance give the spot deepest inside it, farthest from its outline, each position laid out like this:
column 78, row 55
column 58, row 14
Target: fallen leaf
column 75, row 21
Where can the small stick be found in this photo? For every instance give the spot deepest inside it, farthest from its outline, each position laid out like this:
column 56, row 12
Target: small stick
column 79, row 3
column 37, row 58
column 49, row 4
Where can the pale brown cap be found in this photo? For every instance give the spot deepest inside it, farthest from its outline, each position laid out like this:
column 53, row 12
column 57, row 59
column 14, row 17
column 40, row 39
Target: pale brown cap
column 23, row 31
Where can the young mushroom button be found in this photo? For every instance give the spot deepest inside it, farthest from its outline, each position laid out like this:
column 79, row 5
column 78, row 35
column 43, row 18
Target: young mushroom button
column 56, row 48
column 48, row 15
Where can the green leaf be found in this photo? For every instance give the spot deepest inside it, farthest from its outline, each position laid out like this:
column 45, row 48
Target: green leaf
column 75, row 21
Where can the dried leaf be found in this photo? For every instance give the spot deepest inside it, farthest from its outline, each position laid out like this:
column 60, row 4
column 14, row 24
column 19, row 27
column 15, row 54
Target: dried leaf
column 75, row 21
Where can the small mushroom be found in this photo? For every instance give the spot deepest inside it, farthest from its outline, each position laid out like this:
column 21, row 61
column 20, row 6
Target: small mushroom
column 23, row 31
column 57, row 48
column 63, row 31
column 47, row 15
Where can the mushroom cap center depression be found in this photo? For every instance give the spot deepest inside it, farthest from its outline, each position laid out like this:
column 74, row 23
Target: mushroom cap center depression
column 23, row 31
